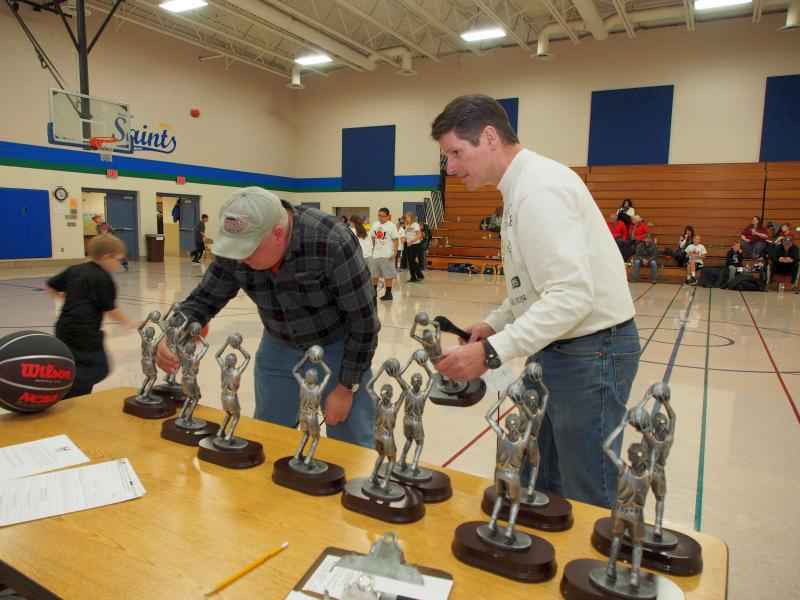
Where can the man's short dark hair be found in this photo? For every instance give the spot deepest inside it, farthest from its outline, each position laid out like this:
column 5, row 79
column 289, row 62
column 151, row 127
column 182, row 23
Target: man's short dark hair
column 467, row 116
column 204, row 216
column 383, row 210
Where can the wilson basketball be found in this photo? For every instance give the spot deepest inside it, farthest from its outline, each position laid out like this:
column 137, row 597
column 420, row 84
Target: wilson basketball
column 36, row 371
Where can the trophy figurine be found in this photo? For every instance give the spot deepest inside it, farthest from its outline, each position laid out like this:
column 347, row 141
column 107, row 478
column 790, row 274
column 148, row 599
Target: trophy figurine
column 146, row 404
column 173, row 325
column 303, row 472
column 548, row 512
column 510, row 553
column 185, row 429
column 663, row 550
column 224, row 448
column 434, row 485
column 377, row 495
column 444, row 390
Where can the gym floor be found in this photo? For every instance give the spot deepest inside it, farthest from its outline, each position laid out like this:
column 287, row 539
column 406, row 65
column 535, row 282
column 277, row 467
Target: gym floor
column 731, row 359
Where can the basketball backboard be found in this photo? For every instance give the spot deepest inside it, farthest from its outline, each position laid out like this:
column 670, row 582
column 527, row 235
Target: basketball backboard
column 81, row 121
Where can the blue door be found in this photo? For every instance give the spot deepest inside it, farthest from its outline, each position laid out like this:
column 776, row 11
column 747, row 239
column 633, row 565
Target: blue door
column 122, row 214
column 190, row 215
column 415, row 208
column 25, row 215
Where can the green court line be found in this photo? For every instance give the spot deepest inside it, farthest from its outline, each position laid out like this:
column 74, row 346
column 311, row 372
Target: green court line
column 701, row 461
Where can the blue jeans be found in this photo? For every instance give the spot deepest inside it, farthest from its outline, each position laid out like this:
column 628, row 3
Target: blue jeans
column 278, row 395
column 589, row 379
column 637, row 264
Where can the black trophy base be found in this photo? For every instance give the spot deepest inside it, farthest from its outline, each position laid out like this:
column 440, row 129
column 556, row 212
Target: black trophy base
column 407, row 509
column 576, row 584
column 472, row 394
column 329, row 482
column 170, row 393
column 188, row 437
column 148, row 410
column 435, row 488
column 686, row 558
column 556, row 515
column 251, row 454
column 534, row 564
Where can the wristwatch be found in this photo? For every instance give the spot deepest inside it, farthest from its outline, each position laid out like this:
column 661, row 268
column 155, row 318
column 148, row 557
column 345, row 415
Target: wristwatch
column 492, row 360
column 353, row 388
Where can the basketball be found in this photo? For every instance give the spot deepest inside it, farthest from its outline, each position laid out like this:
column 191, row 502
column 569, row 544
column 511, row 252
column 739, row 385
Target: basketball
column 36, row 371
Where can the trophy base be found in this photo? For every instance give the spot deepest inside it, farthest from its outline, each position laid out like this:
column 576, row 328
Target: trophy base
column 248, row 454
column 685, row 558
column 577, row 584
column 433, row 485
column 469, row 395
column 148, row 410
column 556, row 515
column 328, row 482
column 407, row 509
column 188, row 437
column 170, row 393
column 534, row 564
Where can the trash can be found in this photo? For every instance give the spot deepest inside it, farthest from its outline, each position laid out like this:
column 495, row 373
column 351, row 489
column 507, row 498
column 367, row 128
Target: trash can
column 155, row 247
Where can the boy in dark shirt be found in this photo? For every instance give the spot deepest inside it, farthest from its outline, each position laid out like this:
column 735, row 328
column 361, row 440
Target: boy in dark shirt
column 733, row 262
column 787, row 259
column 89, row 292
column 646, row 253
column 199, row 239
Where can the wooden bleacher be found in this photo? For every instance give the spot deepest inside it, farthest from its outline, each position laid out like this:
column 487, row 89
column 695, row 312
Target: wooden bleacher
column 782, row 198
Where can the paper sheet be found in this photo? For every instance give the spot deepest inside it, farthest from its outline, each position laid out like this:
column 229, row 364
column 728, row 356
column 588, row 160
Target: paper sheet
column 39, row 456
column 332, row 579
column 72, row 490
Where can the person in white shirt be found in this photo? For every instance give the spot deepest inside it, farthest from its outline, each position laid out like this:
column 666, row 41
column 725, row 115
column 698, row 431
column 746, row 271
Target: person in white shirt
column 364, row 239
column 413, row 251
column 384, row 237
column 696, row 252
column 568, row 308
column 400, row 258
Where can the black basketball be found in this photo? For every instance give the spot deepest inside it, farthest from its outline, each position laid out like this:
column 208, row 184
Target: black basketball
column 36, row 371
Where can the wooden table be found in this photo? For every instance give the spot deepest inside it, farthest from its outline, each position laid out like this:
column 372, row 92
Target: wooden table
column 199, row 523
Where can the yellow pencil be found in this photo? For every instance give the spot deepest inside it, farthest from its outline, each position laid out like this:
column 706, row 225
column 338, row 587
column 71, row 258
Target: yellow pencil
column 253, row 565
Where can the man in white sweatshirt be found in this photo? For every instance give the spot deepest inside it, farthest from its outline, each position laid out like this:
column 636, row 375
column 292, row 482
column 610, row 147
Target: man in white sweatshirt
column 568, row 306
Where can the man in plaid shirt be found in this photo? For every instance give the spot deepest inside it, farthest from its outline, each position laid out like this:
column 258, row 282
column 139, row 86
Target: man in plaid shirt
column 306, row 274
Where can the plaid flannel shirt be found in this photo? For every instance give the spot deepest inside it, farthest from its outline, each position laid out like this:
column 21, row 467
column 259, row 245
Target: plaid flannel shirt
column 321, row 293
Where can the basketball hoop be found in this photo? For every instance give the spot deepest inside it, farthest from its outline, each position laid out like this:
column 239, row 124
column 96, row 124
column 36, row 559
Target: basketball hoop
column 104, row 146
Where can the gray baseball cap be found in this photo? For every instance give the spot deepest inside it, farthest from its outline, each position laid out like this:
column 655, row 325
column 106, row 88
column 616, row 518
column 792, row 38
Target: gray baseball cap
column 245, row 218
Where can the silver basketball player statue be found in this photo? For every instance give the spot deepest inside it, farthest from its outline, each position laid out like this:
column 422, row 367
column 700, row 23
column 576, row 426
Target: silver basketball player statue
column 628, row 513
column 414, row 396
column 511, row 448
column 535, row 395
column 658, row 441
column 385, row 420
column 190, row 353
column 309, row 410
column 231, row 379
column 173, row 324
column 429, row 334
column 149, row 348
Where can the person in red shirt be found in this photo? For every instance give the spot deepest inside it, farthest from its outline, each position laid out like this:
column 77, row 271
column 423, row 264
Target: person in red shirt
column 639, row 230
column 754, row 239
column 618, row 230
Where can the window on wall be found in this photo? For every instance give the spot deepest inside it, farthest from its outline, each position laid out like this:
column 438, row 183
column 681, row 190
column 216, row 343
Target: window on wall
column 368, row 158
column 780, row 135
column 631, row 126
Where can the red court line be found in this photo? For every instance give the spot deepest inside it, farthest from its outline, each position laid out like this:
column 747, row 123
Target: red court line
column 772, row 360
column 485, row 430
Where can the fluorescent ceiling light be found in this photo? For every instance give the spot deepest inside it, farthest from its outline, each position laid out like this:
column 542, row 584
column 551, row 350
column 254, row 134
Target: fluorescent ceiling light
column 712, row 4
column 478, row 35
column 313, row 59
column 179, row 6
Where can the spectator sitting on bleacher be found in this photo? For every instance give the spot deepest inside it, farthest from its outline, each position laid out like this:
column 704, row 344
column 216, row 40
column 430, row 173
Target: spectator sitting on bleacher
column 733, row 263
column 626, row 209
column 640, row 229
column 696, row 252
column 646, row 252
column 754, row 239
column 679, row 254
column 493, row 221
column 785, row 230
column 787, row 259
column 618, row 230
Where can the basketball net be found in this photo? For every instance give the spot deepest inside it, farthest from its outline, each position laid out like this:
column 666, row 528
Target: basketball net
column 104, row 146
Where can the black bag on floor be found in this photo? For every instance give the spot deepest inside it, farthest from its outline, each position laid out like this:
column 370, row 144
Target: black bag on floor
column 709, row 277
column 745, row 282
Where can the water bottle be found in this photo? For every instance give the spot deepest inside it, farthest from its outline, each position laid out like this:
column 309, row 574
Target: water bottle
column 780, row 289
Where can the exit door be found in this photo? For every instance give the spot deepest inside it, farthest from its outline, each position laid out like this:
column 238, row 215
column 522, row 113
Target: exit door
column 190, row 216
column 122, row 214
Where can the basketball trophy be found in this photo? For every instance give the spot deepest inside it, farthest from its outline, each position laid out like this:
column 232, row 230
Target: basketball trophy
column 377, row 495
column 445, row 391
column 510, row 553
column 548, row 512
column 146, row 404
column 185, row 429
column 224, row 448
column 433, row 485
column 172, row 324
column 303, row 472
column 663, row 550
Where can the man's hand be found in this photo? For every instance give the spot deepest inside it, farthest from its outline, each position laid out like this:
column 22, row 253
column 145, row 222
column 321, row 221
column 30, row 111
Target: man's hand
column 338, row 404
column 165, row 358
column 463, row 362
column 478, row 331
